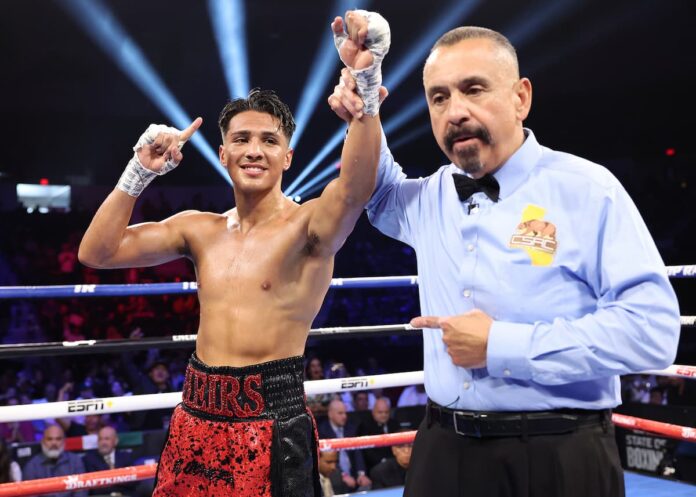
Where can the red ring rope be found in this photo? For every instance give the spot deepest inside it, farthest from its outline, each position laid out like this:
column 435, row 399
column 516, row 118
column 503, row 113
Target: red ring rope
column 134, row 473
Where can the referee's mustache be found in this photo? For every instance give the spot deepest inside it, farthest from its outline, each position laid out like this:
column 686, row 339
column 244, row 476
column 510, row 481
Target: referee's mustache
column 455, row 133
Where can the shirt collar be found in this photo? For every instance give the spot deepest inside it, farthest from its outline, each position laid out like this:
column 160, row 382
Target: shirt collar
column 516, row 169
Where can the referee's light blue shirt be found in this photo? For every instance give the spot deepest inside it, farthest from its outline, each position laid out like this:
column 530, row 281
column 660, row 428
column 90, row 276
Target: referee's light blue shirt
column 563, row 263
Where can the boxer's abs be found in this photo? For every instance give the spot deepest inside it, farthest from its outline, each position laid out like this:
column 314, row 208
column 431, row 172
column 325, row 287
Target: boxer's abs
column 244, row 331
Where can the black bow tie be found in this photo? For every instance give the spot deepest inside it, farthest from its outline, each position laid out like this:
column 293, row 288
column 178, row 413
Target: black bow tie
column 467, row 186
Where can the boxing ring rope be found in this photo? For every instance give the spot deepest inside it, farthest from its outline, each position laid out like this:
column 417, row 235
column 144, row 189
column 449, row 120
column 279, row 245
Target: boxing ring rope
column 21, row 350
column 56, row 291
column 134, row 473
column 83, row 481
column 130, row 403
column 138, row 289
column 169, row 400
column 677, row 432
column 72, row 408
column 674, row 371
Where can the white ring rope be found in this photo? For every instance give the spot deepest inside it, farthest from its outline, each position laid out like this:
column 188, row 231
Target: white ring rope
column 72, row 408
column 675, row 371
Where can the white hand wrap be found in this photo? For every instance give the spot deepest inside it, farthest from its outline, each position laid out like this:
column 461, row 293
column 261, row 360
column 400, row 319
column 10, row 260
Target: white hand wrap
column 378, row 40
column 136, row 176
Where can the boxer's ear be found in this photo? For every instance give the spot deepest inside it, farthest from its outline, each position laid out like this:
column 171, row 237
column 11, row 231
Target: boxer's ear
column 288, row 159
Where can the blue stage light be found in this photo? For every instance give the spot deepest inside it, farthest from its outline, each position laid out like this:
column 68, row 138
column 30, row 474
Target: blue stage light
column 451, row 17
column 411, row 135
column 228, row 19
column 98, row 21
column 324, row 177
column 320, row 186
column 534, row 23
column 323, row 69
column 601, row 28
column 317, row 180
column 411, row 110
column 326, row 150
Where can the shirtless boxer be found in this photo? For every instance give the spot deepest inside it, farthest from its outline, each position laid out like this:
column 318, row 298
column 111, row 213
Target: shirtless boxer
column 263, row 269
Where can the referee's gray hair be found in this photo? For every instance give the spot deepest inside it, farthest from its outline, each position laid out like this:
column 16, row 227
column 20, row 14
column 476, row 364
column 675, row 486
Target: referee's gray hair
column 462, row 33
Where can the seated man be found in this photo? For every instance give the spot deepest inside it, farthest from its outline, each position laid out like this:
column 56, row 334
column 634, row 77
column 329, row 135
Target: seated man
column 350, row 462
column 379, row 423
column 329, row 475
column 54, row 461
column 391, row 472
column 107, row 457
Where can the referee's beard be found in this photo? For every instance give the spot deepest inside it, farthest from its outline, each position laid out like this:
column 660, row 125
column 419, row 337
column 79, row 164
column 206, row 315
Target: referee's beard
column 469, row 160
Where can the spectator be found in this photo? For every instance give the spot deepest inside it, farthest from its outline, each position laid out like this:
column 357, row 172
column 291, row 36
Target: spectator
column 91, row 426
column 678, row 391
column 67, row 259
column 329, row 475
column 16, row 431
column 156, row 381
column 657, row 396
column 412, row 396
column 158, row 372
column 81, row 425
column 339, row 370
column 639, row 387
column 392, row 471
column 319, row 403
column 107, row 457
column 9, row 469
column 54, row 461
column 314, row 369
column 351, row 463
column 361, row 401
column 378, row 424
column 73, row 327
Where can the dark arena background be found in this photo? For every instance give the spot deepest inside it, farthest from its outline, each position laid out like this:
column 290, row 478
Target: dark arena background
column 81, row 80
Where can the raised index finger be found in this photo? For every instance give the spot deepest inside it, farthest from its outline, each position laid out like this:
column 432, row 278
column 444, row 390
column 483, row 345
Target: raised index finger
column 337, row 26
column 188, row 132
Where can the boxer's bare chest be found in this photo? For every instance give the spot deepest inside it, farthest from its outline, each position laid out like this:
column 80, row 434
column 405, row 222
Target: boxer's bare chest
column 237, row 265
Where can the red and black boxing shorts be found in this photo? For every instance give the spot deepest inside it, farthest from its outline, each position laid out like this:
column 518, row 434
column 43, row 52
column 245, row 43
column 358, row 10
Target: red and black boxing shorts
column 241, row 432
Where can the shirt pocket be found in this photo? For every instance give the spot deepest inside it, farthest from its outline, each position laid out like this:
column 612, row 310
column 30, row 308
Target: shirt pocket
column 523, row 293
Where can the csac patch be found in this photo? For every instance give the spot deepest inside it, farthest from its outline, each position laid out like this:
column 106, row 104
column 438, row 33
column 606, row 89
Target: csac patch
column 536, row 236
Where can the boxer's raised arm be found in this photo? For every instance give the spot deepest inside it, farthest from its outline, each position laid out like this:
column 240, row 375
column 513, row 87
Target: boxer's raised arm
column 109, row 242
column 362, row 46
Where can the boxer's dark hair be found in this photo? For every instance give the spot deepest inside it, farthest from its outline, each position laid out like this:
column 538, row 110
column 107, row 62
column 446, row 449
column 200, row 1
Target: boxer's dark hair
column 260, row 101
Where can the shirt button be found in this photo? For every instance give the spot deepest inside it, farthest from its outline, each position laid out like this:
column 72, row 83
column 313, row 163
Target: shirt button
column 466, row 385
column 470, row 247
column 507, row 372
column 466, row 293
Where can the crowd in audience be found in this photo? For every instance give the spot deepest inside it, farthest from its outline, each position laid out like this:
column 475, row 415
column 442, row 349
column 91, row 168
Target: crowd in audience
column 38, row 249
